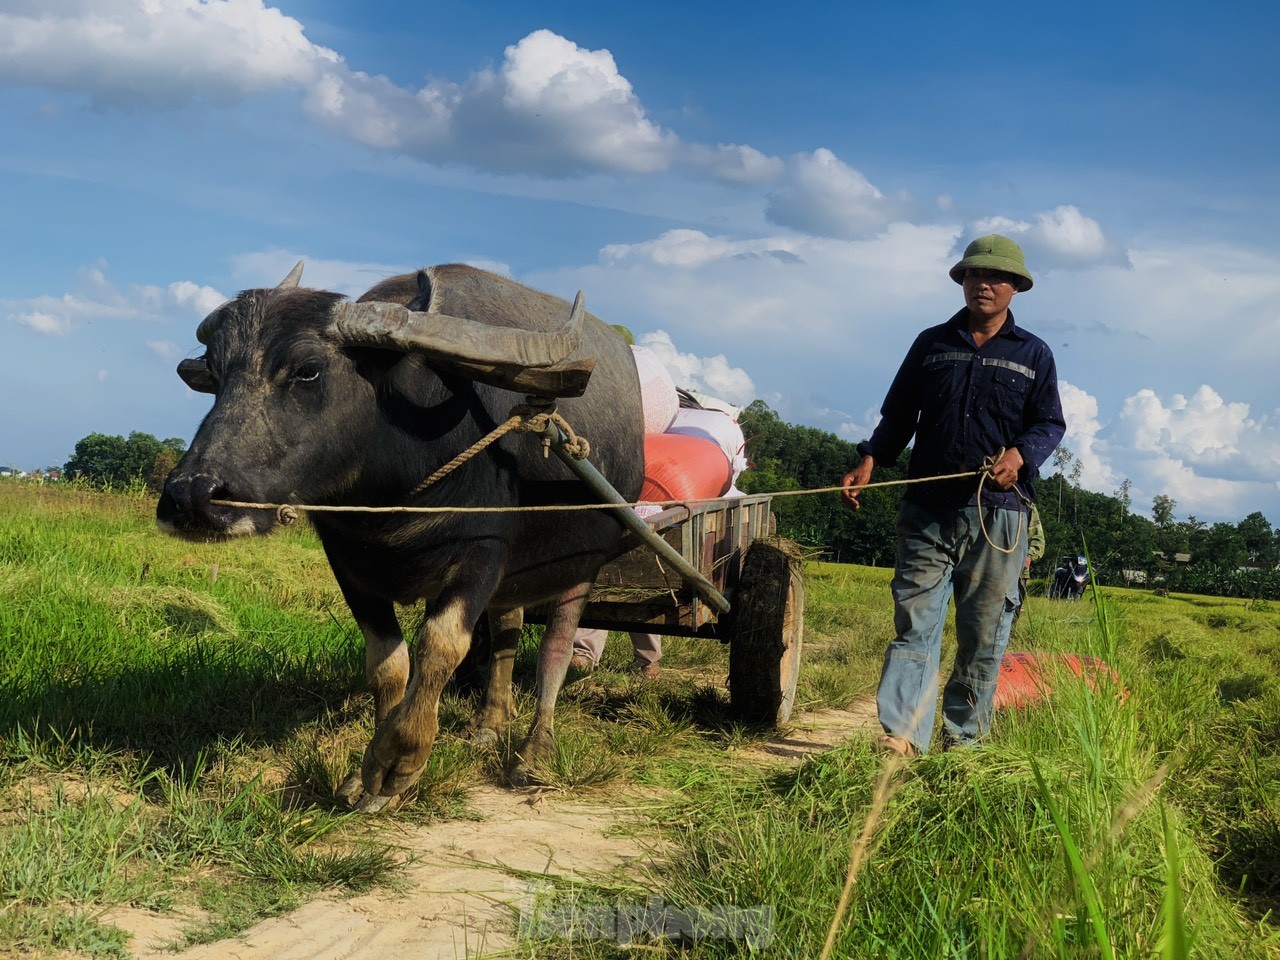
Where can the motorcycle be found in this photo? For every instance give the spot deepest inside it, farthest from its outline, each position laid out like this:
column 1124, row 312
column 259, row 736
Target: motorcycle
column 1070, row 579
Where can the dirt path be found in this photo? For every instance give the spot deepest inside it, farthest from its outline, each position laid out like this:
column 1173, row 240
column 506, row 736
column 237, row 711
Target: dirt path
column 461, row 895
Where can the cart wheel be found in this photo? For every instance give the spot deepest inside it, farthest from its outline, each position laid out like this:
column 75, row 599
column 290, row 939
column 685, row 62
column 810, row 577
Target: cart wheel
column 768, row 629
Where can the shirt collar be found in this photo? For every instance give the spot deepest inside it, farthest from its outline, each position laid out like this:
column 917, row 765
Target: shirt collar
column 1010, row 329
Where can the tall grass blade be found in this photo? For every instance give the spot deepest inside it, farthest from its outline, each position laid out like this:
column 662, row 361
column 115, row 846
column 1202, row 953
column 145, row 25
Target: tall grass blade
column 1176, row 945
column 1084, row 883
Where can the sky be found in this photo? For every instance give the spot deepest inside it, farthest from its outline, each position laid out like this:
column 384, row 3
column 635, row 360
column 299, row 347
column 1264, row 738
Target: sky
column 770, row 199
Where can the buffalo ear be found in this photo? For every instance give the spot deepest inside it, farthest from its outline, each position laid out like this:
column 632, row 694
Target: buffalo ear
column 195, row 374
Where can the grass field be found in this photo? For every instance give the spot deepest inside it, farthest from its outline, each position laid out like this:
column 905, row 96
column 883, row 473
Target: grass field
column 173, row 719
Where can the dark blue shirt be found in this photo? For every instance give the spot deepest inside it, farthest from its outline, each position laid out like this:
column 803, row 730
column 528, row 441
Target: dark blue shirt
column 964, row 403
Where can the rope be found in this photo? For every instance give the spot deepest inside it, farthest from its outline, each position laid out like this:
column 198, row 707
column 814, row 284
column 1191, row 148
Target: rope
column 318, row 508
column 528, row 417
column 467, row 454
column 537, row 417
column 988, row 470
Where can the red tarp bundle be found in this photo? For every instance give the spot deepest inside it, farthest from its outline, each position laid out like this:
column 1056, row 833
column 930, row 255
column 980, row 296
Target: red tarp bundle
column 680, row 467
column 1025, row 678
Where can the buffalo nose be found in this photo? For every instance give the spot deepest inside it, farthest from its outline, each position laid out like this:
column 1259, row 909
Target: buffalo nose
column 186, row 498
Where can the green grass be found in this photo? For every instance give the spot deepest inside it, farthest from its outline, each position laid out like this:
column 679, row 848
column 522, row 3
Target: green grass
column 1097, row 825
column 157, row 722
column 165, row 730
column 176, row 716
column 1093, row 826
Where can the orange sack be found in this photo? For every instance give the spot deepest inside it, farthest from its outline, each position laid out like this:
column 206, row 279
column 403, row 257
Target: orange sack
column 1025, row 678
column 680, row 467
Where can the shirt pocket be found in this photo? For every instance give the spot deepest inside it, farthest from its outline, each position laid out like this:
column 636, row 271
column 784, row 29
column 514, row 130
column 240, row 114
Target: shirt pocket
column 1009, row 379
column 946, row 376
column 1011, row 385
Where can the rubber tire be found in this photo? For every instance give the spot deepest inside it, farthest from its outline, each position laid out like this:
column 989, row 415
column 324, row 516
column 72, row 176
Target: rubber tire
column 767, row 636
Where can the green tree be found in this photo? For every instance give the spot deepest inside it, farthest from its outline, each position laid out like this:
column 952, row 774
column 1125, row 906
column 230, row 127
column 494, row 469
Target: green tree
column 1223, row 546
column 1259, row 539
column 1123, row 495
column 97, row 457
column 1062, row 458
column 117, row 462
column 1162, row 510
column 791, row 457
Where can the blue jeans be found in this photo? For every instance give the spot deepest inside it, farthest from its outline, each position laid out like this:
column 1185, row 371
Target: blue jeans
column 941, row 553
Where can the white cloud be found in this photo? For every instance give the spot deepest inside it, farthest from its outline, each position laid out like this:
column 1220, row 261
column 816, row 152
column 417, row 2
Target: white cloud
column 552, row 108
column 50, row 324
column 712, row 375
column 735, row 163
column 823, row 195
column 693, row 248
column 377, row 113
column 97, row 300
column 157, row 51
column 1205, row 452
column 1080, row 410
column 1219, row 437
column 564, row 91
column 1061, row 237
column 202, row 299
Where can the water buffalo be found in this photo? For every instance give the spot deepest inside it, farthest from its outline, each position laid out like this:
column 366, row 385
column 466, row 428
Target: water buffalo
column 326, row 402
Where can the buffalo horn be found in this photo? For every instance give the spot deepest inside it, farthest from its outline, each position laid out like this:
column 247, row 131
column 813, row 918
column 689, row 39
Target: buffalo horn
column 209, row 325
column 524, row 360
column 293, row 279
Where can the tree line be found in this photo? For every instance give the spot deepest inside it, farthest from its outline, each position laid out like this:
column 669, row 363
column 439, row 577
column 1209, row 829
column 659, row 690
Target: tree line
column 1226, row 559
column 121, row 463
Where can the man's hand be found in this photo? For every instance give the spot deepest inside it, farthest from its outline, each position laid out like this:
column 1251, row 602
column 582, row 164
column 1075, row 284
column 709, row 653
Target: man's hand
column 1005, row 473
column 855, row 480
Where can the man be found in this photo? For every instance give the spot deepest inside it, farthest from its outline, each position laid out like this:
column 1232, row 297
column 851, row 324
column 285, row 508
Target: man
column 973, row 387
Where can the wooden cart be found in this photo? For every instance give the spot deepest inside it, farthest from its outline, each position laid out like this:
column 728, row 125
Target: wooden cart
column 731, row 543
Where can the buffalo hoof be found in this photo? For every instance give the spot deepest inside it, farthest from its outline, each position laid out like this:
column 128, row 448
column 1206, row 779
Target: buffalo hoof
column 352, row 794
column 397, row 754
column 522, row 776
column 371, row 804
column 351, row 790
column 483, row 736
column 540, row 746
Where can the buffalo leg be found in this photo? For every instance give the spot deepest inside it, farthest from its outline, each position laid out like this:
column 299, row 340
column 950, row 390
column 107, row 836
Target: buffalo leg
column 499, row 705
column 386, row 663
column 553, row 664
column 401, row 745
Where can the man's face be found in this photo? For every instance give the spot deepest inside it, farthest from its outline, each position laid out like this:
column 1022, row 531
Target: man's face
column 987, row 292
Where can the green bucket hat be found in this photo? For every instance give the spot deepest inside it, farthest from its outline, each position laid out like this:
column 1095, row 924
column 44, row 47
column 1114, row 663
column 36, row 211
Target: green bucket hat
column 994, row 252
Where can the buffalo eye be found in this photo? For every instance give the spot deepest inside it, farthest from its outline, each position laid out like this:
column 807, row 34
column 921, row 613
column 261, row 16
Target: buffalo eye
column 307, row 372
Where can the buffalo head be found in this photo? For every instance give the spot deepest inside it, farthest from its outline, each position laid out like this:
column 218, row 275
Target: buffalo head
column 300, row 375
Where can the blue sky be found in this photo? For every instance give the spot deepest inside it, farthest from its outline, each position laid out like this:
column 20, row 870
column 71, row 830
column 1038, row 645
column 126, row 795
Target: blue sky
column 770, row 199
